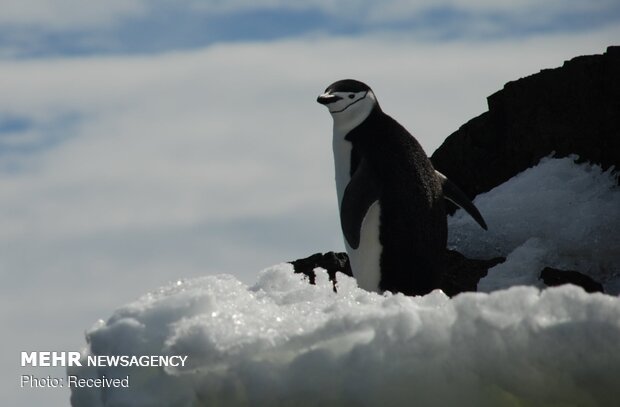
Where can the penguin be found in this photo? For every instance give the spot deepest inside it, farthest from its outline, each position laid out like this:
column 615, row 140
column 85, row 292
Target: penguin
column 390, row 198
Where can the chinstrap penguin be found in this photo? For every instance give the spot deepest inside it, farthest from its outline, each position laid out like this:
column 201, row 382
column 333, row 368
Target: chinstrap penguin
column 390, row 197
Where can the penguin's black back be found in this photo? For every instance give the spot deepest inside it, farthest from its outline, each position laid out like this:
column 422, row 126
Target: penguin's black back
column 413, row 226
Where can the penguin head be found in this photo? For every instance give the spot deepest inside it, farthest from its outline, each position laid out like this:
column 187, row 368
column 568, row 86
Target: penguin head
column 348, row 100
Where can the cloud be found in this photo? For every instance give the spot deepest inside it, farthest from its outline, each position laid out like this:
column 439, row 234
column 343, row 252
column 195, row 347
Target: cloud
column 218, row 133
column 79, row 14
column 64, row 14
column 33, row 28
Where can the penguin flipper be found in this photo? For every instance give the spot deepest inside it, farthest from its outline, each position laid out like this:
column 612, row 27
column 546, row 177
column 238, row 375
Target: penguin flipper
column 454, row 194
column 362, row 191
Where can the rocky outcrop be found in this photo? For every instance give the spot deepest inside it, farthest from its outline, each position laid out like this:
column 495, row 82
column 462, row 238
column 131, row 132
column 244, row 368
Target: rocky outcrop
column 462, row 274
column 552, row 277
column 332, row 262
column 574, row 109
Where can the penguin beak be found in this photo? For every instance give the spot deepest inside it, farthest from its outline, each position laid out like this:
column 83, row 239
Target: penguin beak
column 327, row 98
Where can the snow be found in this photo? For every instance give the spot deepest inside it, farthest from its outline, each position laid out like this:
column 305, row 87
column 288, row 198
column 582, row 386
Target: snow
column 282, row 341
column 557, row 214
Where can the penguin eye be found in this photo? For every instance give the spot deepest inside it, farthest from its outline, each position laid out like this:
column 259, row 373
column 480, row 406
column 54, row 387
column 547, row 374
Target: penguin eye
column 351, row 95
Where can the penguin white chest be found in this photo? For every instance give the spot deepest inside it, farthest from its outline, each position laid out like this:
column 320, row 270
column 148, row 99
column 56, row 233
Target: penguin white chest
column 366, row 259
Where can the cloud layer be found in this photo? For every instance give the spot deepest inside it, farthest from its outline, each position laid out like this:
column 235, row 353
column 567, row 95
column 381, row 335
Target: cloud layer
column 79, row 14
column 34, row 28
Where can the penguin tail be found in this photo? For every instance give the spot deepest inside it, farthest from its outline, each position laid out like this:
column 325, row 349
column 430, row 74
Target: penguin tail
column 454, row 194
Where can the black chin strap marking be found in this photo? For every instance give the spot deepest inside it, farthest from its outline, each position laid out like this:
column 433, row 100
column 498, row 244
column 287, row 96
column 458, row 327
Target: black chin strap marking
column 347, row 106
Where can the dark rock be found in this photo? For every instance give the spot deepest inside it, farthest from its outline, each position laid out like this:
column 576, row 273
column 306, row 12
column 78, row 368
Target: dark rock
column 553, row 277
column 574, row 109
column 330, row 261
column 462, row 274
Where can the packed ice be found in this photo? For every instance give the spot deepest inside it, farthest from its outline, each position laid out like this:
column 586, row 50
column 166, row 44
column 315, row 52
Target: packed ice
column 558, row 214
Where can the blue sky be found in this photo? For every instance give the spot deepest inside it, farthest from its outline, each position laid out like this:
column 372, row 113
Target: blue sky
column 158, row 26
column 143, row 142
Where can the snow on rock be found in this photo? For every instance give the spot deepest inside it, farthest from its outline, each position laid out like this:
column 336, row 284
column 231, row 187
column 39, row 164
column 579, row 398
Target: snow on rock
column 285, row 342
column 557, row 214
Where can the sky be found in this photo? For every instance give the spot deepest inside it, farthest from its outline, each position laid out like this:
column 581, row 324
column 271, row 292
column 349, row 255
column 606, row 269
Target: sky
column 142, row 142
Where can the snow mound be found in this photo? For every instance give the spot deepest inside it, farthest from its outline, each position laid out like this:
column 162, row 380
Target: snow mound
column 285, row 342
column 558, row 214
